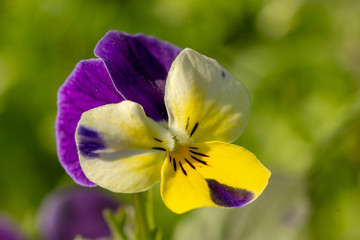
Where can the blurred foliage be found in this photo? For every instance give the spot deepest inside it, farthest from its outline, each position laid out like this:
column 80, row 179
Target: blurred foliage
column 299, row 59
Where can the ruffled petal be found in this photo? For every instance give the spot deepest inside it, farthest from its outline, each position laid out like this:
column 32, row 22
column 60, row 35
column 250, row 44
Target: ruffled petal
column 138, row 65
column 204, row 101
column 211, row 174
column 120, row 148
column 87, row 87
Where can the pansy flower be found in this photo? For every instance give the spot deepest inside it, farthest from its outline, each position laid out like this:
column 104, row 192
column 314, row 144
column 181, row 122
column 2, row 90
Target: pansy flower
column 148, row 111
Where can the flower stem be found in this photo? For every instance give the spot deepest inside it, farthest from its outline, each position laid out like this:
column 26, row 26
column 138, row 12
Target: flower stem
column 143, row 213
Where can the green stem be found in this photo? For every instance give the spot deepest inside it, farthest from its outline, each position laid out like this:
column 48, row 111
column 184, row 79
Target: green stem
column 116, row 223
column 142, row 212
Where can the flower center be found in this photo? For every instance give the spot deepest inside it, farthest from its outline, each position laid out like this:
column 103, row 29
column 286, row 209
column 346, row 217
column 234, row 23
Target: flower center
column 182, row 136
column 187, row 158
column 180, row 152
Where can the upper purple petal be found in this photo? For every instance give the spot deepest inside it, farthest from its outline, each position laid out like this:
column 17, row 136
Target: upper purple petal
column 138, row 65
column 88, row 86
column 69, row 212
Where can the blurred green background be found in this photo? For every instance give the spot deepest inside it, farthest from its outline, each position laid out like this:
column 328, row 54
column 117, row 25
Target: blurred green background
column 299, row 59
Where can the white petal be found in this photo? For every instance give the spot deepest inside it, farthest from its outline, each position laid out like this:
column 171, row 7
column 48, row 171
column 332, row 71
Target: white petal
column 204, row 101
column 120, row 148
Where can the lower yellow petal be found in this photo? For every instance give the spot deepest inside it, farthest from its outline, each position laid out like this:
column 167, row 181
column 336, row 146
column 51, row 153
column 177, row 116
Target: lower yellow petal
column 211, row 174
column 129, row 174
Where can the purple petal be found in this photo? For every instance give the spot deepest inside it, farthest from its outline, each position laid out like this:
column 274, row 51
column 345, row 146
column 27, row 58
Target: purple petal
column 88, row 86
column 138, row 65
column 75, row 211
column 227, row 196
column 8, row 229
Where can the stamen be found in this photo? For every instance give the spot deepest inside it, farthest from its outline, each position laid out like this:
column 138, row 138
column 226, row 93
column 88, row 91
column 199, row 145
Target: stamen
column 189, row 163
column 159, row 148
column 183, row 170
column 200, row 154
column 156, row 139
column 200, row 161
column 194, row 129
column 174, row 165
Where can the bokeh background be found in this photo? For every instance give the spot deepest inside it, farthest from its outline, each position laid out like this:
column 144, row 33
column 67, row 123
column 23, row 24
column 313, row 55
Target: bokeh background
column 299, row 59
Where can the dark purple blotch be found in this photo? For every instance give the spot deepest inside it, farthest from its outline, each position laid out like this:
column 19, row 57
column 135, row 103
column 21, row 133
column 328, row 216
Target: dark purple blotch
column 89, row 142
column 226, row 196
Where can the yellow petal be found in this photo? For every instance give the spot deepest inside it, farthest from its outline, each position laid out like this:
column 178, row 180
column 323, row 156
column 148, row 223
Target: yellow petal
column 121, row 149
column 204, row 101
column 211, row 174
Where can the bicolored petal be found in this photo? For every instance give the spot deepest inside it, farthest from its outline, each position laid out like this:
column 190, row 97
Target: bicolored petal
column 88, row 86
column 211, row 174
column 204, row 101
column 120, row 148
column 138, row 65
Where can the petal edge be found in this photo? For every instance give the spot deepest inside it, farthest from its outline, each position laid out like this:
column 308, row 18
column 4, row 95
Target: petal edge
column 73, row 100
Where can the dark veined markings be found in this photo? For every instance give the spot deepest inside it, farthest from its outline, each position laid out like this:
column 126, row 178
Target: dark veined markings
column 200, row 161
column 182, row 168
column 194, row 129
column 200, row 154
column 156, row 139
column 195, row 155
column 174, row 165
column 193, row 148
column 187, row 124
column 189, row 163
column 159, row 148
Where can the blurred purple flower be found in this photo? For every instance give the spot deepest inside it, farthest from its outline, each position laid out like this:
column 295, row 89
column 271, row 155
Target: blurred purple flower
column 8, row 229
column 132, row 67
column 67, row 213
